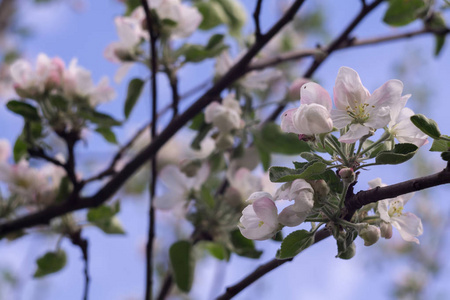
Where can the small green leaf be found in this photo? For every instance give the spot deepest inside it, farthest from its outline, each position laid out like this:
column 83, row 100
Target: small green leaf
column 440, row 145
column 213, row 14
column 217, row 250
column 20, row 149
column 283, row 174
column 104, row 218
column 134, row 91
column 107, row 134
column 437, row 22
column 215, row 41
column 274, row 140
column 27, row 111
column 403, row 12
column 295, row 243
column 236, row 15
column 202, row 133
column 101, row 119
column 207, row 197
column 183, row 264
column 400, row 154
column 242, row 246
column 197, row 121
column 110, row 226
column 131, row 6
column 50, row 263
column 427, row 126
column 446, row 155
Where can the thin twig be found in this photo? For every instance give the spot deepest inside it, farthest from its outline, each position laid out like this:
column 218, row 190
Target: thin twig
column 153, row 170
column 77, row 240
column 334, row 45
column 256, row 15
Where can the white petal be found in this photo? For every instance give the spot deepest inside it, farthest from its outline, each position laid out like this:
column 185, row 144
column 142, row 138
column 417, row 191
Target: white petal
column 258, row 195
column 340, row 118
column 290, row 217
column 409, row 226
column 266, row 210
column 311, row 92
column 390, row 94
column 168, row 201
column 172, row 178
column 383, row 210
column 348, row 89
column 355, row 132
column 287, row 122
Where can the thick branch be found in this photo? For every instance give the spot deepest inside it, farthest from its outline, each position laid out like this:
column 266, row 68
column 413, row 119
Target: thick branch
column 256, row 15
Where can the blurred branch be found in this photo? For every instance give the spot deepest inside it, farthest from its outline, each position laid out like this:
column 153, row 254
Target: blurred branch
column 153, row 170
column 256, row 15
column 334, row 45
column 77, row 240
column 351, row 43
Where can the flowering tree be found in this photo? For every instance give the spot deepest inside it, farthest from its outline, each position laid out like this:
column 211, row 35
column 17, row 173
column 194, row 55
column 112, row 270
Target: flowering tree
column 226, row 187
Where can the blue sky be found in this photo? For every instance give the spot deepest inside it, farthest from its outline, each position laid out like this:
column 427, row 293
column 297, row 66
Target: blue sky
column 117, row 263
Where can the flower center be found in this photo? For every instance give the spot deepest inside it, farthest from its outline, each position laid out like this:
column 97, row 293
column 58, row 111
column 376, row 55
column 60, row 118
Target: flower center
column 261, row 223
column 358, row 112
column 396, row 209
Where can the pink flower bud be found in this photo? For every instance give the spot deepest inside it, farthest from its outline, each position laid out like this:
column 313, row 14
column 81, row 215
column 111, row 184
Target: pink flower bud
column 294, row 89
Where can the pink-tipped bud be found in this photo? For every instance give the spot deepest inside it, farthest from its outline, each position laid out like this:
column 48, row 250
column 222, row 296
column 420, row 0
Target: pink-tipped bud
column 294, row 89
column 347, row 175
column 386, row 230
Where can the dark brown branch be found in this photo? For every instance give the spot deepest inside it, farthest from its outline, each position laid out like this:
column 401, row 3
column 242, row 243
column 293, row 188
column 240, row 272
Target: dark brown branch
column 153, row 170
column 264, row 269
column 165, row 288
column 299, row 54
column 83, row 244
column 334, row 45
column 256, row 15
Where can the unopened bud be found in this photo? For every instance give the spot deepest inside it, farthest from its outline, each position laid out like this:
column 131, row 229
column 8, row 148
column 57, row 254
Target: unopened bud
column 370, row 234
column 349, row 252
column 347, row 175
column 190, row 167
column 294, row 89
column 320, row 188
column 386, row 230
column 224, row 141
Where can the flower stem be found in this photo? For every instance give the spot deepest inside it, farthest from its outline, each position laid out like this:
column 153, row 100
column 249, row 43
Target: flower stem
column 386, row 135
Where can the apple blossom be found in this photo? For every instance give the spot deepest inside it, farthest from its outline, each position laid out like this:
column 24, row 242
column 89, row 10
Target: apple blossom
column 294, row 88
column 356, row 107
column 313, row 115
column 244, row 182
column 225, row 116
column 303, row 195
column 404, row 130
column 179, row 186
column 391, row 211
column 369, row 233
column 259, row 220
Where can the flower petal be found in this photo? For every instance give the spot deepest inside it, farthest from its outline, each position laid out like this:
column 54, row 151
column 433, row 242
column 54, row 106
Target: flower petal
column 409, row 226
column 287, row 124
column 348, row 89
column 311, row 92
column 266, row 210
column 355, row 132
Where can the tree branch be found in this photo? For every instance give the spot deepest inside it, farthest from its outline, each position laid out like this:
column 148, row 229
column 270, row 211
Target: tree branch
column 239, row 69
column 77, row 240
column 334, row 45
column 153, row 170
column 256, row 14
column 352, row 204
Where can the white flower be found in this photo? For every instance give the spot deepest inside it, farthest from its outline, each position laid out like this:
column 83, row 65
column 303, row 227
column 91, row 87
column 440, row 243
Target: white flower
column 404, row 130
column 254, row 80
column 303, row 195
column 179, row 186
column 391, row 212
column 244, row 182
column 259, row 220
column 78, row 83
column 361, row 110
column 225, row 116
column 31, row 83
column 5, row 150
column 187, row 18
column 125, row 51
column 313, row 115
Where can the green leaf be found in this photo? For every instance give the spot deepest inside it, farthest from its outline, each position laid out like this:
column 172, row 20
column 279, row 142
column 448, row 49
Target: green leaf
column 440, row 145
column 134, row 91
column 107, row 134
column 446, row 155
column 283, row 174
column 274, row 140
column 403, row 12
column 427, row 126
column 242, row 246
column 236, row 15
column 207, row 197
column 131, row 6
column 437, row 22
column 202, row 133
column 197, row 121
column 101, row 119
column 214, row 42
column 50, row 263
column 183, row 264
column 213, row 14
column 104, row 218
column 400, row 154
column 27, row 111
column 20, row 149
column 217, row 250
column 295, row 243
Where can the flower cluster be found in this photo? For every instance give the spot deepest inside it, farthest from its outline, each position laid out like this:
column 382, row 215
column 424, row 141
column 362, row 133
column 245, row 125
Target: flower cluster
column 52, row 77
column 357, row 112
